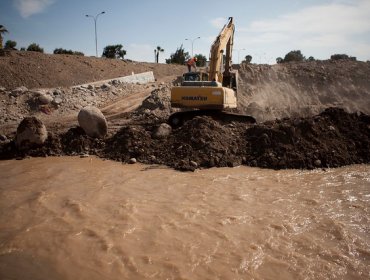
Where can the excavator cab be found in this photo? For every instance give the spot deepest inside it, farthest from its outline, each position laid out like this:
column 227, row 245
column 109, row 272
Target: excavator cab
column 195, row 76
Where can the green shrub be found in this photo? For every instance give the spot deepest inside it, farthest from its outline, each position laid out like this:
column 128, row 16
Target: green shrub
column 179, row 57
column 35, row 48
column 248, row 59
column 64, row 51
column 342, row 56
column 114, row 51
column 294, row 56
column 10, row 45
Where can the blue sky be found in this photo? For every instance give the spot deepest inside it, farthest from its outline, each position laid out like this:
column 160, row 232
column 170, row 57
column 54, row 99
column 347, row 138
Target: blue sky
column 265, row 29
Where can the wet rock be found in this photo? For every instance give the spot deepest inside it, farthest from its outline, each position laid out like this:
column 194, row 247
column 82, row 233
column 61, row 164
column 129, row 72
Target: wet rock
column 44, row 98
column 18, row 91
column 193, row 164
column 93, row 122
column 162, row 131
column 57, row 92
column 31, row 131
column 105, row 87
column 57, row 101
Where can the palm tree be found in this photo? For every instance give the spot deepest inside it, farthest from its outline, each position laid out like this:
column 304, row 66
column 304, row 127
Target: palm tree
column 157, row 51
column 2, row 31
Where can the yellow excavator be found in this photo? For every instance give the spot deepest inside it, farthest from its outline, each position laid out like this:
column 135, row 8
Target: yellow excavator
column 210, row 93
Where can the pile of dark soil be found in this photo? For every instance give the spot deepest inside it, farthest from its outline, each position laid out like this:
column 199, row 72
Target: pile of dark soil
column 331, row 139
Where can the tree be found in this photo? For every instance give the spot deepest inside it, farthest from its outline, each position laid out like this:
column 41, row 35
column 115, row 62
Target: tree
column 201, row 60
column 10, row 45
column 114, row 51
column 294, row 56
column 311, row 58
column 2, row 31
column 156, row 53
column 279, row 60
column 35, row 48
column 342, row 56
column 248, row 58
column 63, row 51
column 179, row 57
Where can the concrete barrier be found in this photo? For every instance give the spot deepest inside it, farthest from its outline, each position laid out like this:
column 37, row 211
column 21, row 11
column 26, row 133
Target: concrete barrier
column 142, row 78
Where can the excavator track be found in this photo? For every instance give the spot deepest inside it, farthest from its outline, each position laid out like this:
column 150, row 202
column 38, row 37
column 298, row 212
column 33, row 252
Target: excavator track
column 179, row 118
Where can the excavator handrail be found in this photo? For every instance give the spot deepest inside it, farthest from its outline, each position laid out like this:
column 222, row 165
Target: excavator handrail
column 224, row 40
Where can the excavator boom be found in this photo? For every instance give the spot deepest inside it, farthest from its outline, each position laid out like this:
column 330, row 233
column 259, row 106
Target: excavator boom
column 223, row 41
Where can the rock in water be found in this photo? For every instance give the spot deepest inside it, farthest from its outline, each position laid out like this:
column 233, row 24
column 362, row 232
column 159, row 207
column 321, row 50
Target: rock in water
column 93, row 122
column 162, row 131
column 31, row 131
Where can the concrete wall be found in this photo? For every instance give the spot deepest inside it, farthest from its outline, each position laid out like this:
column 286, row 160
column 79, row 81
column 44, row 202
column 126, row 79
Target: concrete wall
column 142, row 78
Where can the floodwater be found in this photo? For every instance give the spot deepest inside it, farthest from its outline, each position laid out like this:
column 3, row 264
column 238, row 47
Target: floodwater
column 86, row 218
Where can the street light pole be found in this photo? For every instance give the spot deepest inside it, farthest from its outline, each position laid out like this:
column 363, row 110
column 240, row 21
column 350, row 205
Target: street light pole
column 192, row 44
column 96, row 34
column 239, row 53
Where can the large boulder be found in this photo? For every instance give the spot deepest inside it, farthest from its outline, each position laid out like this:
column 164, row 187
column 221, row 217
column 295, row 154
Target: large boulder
column 31, row 131
column 93, row 122
column 162, row 131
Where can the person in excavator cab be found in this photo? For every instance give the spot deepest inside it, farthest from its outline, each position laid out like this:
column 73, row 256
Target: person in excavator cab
column 192, row 62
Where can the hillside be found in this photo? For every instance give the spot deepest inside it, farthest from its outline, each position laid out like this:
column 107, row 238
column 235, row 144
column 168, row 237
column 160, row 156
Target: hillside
column 38, row 70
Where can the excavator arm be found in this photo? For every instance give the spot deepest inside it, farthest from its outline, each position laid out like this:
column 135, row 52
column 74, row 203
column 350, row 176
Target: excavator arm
column 223, row 41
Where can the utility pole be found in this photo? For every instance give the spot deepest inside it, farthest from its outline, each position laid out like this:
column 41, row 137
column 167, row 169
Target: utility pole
column 192, row 44
column 96, row 34
column 238, row 50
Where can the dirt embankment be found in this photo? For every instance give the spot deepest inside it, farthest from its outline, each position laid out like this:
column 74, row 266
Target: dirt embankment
column 306, row 135
column 37, row 70
column 303, row 89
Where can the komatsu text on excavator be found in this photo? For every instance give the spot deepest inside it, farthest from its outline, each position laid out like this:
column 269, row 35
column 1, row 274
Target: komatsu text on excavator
column 213, row 92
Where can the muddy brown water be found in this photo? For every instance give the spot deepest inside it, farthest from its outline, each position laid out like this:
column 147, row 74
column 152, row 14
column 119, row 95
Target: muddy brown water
column 86, row 218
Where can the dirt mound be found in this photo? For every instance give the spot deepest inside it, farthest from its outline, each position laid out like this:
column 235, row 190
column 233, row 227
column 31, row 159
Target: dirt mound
column 331, row 139
column 38, row 70
column 303, row 89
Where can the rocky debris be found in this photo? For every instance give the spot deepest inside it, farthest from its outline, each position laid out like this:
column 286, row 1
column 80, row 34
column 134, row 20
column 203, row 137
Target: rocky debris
column 30, row 132
column 93, row 122
column 18, row 91
column 156, row 107
column 54, row 102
